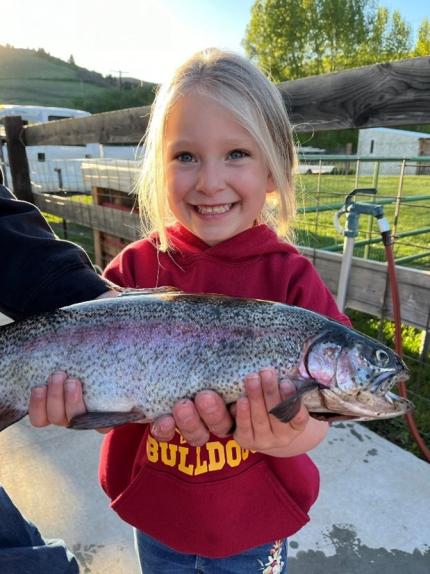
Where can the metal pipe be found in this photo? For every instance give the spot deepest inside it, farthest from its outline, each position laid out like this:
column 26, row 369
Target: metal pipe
column 375, row 240
column 345, row 270
column 381, row 201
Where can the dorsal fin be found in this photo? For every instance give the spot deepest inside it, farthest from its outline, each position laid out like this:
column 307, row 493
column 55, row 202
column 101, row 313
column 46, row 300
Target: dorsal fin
column 149, row 291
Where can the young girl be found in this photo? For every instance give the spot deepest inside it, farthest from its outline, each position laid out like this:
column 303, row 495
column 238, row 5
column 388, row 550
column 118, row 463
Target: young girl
column 219, row 160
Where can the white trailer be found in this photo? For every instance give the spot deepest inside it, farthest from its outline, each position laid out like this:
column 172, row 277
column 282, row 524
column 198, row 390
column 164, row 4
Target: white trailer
column 56, row 168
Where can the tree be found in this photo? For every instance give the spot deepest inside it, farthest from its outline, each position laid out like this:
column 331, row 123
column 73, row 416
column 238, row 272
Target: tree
column 343, row 26
column 71, row 60
column 279, row 54
column 372, row 49
column 422, row 47
column 295, row 38
column 398, row 41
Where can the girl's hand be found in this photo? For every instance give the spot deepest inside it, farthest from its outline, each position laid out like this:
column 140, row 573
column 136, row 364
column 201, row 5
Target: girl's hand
column 258, row 430
column 61, row 400
column 57, row 402
column 195, row 420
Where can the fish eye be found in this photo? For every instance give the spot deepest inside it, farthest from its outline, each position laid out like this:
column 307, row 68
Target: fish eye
column 382, row 357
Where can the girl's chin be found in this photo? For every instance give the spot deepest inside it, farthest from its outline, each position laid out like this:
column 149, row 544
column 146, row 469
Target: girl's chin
column 216, row 236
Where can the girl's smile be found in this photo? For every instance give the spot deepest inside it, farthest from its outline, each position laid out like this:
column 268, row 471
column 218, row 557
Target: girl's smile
column 213, row 209
column 217, row 178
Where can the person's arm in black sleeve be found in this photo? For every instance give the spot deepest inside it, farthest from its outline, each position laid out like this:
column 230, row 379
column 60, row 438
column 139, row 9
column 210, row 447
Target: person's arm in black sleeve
column 39, row 272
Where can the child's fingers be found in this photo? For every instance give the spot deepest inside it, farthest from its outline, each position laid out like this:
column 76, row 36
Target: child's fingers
column 270, row 387
column 74, row 402
column 37, row 406
column 213, row 412
column 299, row 422
column 55, row 407
column 257, row 404
column 244, row 433
column 163, row 429
column 189, row 423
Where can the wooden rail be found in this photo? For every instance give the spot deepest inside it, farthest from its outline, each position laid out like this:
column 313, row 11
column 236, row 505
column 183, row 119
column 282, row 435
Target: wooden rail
column 368, row 287
column 114, row 221
column 378, row 95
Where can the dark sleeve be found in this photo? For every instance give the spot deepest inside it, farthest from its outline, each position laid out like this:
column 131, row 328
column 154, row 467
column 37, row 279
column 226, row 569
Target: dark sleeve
column 39, row 272
column 21, row 543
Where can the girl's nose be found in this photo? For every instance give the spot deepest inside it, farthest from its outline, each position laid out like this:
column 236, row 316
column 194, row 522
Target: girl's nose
column 210, row 178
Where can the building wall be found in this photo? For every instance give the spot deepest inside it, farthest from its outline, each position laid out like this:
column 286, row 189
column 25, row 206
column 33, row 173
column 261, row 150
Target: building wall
column 388, row 143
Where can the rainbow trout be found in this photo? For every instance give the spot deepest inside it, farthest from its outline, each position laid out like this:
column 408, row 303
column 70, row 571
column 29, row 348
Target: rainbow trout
column 137, row 354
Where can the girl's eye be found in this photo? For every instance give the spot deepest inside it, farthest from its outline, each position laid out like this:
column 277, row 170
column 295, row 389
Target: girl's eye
column 185, row 157
column 238, row 154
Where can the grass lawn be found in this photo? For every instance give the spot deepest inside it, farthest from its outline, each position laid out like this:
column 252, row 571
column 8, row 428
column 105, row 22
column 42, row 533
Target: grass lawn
column 317, row 229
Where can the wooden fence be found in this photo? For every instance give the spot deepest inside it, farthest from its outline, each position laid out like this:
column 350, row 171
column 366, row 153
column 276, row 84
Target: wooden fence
column 390, row 94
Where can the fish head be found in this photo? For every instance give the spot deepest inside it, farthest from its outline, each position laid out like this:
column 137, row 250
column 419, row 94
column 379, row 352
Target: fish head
column 346, row 359
column 354, row 374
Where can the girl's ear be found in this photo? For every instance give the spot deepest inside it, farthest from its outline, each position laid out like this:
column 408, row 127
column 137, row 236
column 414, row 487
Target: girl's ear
column 270, row 186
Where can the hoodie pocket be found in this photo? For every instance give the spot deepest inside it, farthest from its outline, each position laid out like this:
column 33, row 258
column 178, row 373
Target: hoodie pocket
column 217, row 518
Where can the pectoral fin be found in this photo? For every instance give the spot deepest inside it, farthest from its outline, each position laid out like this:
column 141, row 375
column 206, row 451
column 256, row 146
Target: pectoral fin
column 96, row 420
column 288, row 408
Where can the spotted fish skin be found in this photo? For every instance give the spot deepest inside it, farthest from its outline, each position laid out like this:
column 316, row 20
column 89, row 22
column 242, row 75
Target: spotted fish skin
column 136, row 355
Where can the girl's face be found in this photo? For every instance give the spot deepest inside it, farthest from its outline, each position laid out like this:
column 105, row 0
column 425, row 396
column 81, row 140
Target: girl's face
column 217, row 179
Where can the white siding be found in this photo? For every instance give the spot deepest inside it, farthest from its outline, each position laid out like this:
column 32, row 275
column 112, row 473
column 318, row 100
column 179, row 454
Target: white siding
column 388, row 143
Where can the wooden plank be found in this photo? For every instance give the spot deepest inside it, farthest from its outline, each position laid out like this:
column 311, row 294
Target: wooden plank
column 18, row 163
column 113, row 221
column 368, row 291
column 121, row 126
column 390, row 94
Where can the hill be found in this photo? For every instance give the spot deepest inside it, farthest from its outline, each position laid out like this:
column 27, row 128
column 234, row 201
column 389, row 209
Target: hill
column 34, row 77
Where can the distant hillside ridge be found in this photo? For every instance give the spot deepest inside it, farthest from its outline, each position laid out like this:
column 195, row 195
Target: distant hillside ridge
column 34, row 77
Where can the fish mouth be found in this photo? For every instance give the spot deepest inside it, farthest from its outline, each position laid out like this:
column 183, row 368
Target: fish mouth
column 337, row 405
column 384, row 382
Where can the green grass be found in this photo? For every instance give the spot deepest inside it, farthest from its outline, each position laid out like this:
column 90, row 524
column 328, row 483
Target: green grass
column 71, row 231
column 317, row 229
column 46, row 92
column 418, row 386
column 32, row 78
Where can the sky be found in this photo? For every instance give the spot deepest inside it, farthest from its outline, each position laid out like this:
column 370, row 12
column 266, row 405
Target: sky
column 145, row 39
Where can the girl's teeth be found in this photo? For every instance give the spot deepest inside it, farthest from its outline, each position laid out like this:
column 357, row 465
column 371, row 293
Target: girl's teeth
column 209, row 209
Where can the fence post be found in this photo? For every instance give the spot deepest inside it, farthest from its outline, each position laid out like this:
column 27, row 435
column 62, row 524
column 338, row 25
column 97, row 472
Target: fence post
column 14, row 128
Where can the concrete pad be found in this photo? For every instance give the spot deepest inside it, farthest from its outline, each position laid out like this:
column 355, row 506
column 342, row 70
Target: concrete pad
column 373, row 513
column 372, row 516
column 51, row 476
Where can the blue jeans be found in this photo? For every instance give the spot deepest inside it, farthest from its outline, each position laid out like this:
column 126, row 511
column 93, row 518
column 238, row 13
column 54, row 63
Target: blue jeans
column 156, row 558
column 24, row 551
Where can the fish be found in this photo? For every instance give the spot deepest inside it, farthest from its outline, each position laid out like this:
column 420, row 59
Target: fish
column 140, row 352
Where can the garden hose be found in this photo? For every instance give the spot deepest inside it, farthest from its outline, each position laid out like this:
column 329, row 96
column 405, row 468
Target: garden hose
column 388, row 244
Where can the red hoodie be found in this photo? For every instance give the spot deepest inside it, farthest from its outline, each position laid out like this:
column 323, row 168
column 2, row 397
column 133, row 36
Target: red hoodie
column 219, row 499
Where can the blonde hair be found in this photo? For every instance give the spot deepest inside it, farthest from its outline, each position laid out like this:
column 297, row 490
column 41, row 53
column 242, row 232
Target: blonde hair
column 235, row 83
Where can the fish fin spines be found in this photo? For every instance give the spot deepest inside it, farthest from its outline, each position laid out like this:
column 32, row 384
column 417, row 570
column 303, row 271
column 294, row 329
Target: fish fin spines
column 286, row 410
column 101, row 419
column 126, row 291
column 289, row 407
